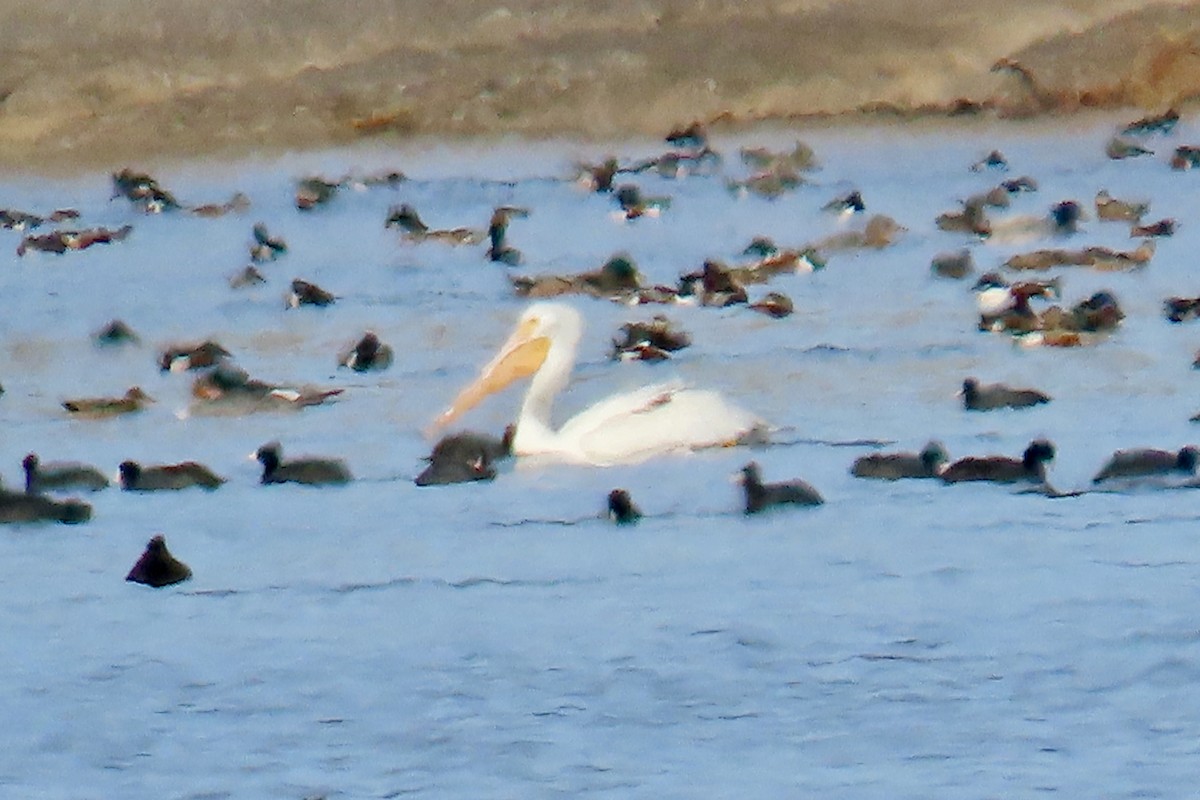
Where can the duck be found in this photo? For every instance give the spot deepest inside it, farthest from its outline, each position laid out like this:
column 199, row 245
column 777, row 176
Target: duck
column 40, row 477
column 879, row 232
column 59, row 242
column 929, row 463
column 499, row 251
column 266, row 247
column 761, row 496
column 621, row 508
column 19, row 507
column 657, row 336
column 236, row 204
column 1164, row 227
column 308, row 471
column 367, row 354
column 972, row 218
column 993, row 160
column 1018, row 185
column 1158, row 123
column 598, row 177
column 651, row 421
column 801, row 158
column 184, row 357
column 846, row 204
column 312, row 192
column 465, row 457
column 1099, row 258
column 988, row 397
column 1181, row 309
column 956, row 265
column 1031, row 467
column 143, row 191
column 1110, row 208
column 414, row 229
column 1145, row 462
column 1005, row 306
column 167, row 477
column 675, row 164
column 304, row 293
column 691, row 136
column 1120, row 148
column 775, row 305
column 115, row 332
column 997, row 197
column 634, row 204
column 1062, row 220
column 157, row 567
column 770, row 183
column 132, row 401
column 12, row 219
column 1185, row 157
column 249, row 275
column 616, row 278
column 230, row 389
column 715, row 285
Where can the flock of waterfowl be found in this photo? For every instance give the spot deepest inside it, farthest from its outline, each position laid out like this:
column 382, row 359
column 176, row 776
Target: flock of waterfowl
column 657, row 419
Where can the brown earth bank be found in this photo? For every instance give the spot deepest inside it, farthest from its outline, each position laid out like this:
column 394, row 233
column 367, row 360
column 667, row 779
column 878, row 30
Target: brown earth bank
column 135, row 81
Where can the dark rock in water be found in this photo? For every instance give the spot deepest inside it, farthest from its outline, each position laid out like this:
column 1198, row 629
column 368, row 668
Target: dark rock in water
column 17, row 507
column 621, row 508
column 157, row 567
column 309, row 471
column 761, row 496
column 465, row 457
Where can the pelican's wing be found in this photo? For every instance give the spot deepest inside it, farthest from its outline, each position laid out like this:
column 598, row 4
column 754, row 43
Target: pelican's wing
column 655, row 420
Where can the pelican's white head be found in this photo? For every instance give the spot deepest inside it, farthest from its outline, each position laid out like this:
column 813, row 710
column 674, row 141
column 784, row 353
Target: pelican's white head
column 546, row 332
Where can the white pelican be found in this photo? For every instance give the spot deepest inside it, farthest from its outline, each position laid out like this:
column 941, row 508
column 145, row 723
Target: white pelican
column 623, row 428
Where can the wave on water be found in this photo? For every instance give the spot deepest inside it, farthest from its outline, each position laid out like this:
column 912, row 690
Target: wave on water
column 93, row 85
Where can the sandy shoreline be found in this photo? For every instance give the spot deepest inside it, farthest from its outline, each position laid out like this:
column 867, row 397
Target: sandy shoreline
column 90, row 90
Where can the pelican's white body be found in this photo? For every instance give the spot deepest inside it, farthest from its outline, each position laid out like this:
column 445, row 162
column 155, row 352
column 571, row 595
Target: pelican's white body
column 624, row 428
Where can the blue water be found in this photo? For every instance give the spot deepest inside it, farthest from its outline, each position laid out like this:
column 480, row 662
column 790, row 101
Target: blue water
column 905, row 640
